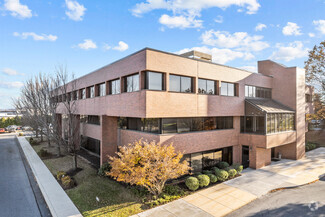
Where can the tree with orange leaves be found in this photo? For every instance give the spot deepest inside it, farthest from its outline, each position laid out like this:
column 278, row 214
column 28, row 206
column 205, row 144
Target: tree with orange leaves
column 148, row 164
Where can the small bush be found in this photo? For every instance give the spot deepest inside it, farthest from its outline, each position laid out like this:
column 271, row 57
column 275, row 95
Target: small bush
column 106, row 167
column 197, row 173
column 232, row 173
column 162, row 200
column 67, row 182
column 60, row 175
column 215, row 169
column 206, row 172
column 223, row 165
column 213, row 178
column 239, row 168
column 222, row 175
column 20, row 134
column 173, row 190
column 192, row 183
column 44, row 153
column 204, row 180
column 139, row 191
column 310, row 146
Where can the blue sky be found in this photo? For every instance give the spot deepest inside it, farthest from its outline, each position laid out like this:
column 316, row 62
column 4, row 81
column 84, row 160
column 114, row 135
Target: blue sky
column 37, row 35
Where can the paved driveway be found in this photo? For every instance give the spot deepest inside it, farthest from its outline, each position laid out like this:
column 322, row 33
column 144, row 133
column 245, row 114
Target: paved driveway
column 19, row 194
column 298, row 202
column 224, row 198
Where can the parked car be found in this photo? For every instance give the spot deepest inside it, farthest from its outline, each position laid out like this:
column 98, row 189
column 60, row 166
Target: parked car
column 11, row 128
column 27, row 128
column 2, row 130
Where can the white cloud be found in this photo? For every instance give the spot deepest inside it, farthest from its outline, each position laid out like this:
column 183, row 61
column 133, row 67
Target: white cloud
column 260, row 27
column 185, row 11
column 75, row 10
column 191, row 6
column 87, row 45
column 181, row 22
column 219, row 19
column 238, row 40
column 13, row 84
column 36, row 37
column 249, row 68
column 9, row 71
column 293, row 51
column 122, row 46
column 291, row 29
column 312, row 35
column 106, row 47
column 17, row 9
column 320, row 25
column 220, row 56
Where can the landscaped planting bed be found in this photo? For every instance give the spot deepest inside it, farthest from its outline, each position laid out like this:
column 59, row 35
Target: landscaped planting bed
column 96, row 194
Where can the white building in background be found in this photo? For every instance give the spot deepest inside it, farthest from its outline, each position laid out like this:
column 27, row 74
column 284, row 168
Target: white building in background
column 9, row 113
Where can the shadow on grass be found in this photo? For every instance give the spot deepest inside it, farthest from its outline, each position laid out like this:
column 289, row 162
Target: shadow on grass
column 293, row 210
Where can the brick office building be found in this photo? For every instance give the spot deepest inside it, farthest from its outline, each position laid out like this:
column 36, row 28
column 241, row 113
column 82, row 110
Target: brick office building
column 209, row 111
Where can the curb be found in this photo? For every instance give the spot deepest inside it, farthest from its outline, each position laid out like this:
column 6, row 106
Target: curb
column 296, row 186
column 58, row 202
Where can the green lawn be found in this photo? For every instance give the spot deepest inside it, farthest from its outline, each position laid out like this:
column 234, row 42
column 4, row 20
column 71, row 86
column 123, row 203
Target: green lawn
column 114, row 199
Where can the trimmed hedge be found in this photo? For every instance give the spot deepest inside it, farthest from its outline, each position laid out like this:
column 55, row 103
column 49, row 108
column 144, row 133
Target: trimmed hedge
column 239, row 168
column 207, row 172
column 232, row 173
column 223, row 165
column 222, row 175
column 213, row 178
column 192, row 183
column 204, row 180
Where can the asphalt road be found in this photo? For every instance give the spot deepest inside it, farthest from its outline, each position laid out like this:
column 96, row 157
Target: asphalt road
column 19, row 193
column 306, row 201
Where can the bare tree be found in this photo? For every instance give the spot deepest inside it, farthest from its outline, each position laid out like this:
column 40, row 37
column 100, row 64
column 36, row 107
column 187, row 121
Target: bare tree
column 67, row 94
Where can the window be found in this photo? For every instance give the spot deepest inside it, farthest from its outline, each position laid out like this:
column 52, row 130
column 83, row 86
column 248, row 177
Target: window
column 90, row 144
column 91, row 92
column 169, row 125
column 93, row 119
column 308, row 98
column 132, row 83
column 280, row 122
column 75, row 95
column 224, row 123
column 180, row 84
column 227, row 89
column 206, row 86
column 83, row 93
column 154, row 81
column 260, row 92
column 115, row 87
column 175, row 125
column 252, row 124
column 101, row 89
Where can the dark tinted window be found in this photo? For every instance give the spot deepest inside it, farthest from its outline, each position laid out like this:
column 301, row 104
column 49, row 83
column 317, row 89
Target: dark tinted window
column 169, row 125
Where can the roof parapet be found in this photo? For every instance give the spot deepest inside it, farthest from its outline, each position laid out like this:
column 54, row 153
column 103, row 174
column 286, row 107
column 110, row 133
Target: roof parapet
column 197, row 55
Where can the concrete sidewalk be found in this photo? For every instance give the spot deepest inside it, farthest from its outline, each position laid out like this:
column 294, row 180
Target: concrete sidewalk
column 224, row 198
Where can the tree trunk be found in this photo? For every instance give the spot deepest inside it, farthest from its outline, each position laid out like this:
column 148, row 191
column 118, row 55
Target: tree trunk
column 75, row 161
column 42, row 139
